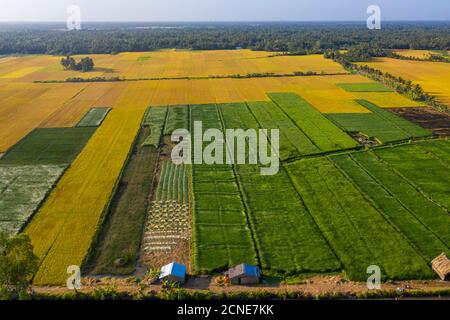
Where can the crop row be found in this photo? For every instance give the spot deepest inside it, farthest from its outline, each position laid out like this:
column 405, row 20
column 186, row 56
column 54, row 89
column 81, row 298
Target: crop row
column 286, row 236
column 423, row 222
column 173, row 183
column 321, row 131
column 379, row 123
column 221, row 236
column 357, row 232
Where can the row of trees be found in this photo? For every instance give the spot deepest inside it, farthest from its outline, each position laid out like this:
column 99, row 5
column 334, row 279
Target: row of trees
column 403, row 86
column 297, row 38
column 86, row 64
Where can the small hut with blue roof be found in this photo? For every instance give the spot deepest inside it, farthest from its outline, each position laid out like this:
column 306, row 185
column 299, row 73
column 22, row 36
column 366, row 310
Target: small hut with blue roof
column 173, row 272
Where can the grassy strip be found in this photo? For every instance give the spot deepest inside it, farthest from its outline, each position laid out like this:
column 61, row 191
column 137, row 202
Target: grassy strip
column 364, row 87
column 356, row 231
column 381, row 124
column 422, row 223
column 94, row 117
column 122, row 230
column 221, row 236
column 322, row 132
column 286, row 236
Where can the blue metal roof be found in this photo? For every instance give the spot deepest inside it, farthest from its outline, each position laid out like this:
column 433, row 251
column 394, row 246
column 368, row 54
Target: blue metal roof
column 251, row 270
column 174, row 269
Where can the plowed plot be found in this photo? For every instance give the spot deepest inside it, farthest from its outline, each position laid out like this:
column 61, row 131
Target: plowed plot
column 429, row 118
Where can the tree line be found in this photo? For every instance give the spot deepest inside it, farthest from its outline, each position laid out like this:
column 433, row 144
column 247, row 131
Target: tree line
column 360, row 54
column 295, row 38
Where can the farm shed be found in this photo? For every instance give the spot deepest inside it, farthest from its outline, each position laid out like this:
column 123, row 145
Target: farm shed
column 441, row 265
column 244, row 274
column 174, row 272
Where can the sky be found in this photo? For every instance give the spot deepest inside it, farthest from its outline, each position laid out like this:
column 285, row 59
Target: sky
column 223, row 10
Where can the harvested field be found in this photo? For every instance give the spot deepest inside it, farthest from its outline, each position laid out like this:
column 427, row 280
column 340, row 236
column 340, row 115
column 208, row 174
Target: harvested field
column 437, row 122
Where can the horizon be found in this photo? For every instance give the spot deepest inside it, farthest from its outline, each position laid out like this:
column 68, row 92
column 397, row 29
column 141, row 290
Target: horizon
column 159, row 11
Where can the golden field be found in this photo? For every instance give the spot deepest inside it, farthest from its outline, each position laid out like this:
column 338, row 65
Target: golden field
column 168, row 64
column 419, row 54
column 26, row 105
column 434, row 77
column 63, row 229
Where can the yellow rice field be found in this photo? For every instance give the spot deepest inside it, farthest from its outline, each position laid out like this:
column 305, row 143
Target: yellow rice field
column 24, row 106
column 388, row 99
column 434, row 77
column 420, row 54
column 72, row 213
column 168, row 64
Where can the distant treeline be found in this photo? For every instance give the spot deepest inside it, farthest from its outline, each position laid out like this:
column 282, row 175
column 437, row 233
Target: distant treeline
column 290, row 37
